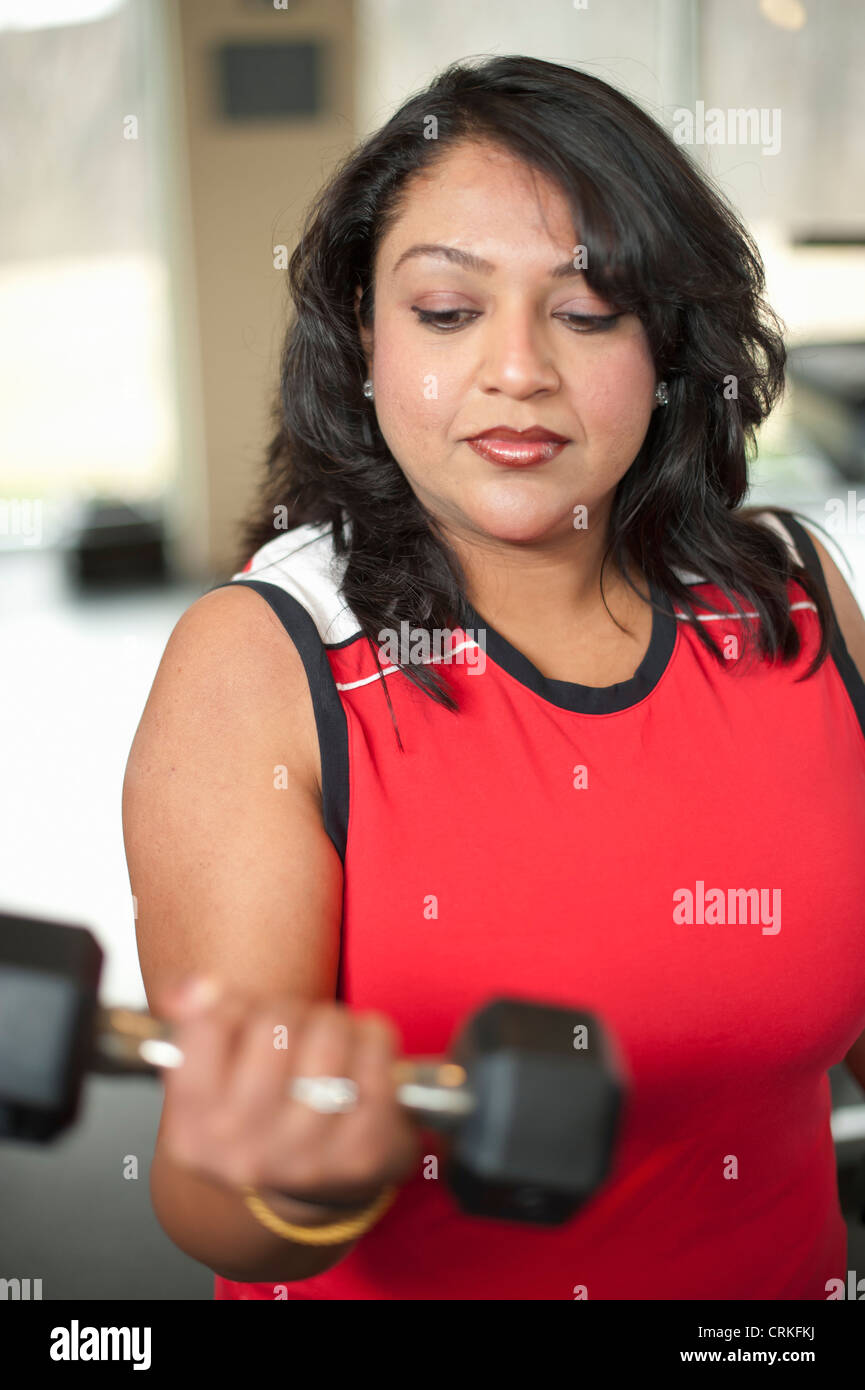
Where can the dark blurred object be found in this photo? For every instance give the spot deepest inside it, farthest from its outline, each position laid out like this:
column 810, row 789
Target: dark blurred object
column 829, row 382
column 270, row 81
column 117, row 543
column 848, row 1132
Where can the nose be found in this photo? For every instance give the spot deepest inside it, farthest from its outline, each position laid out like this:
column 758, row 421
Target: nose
column 516, row 355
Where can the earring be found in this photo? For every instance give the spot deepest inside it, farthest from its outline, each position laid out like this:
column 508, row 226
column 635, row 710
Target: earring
column 367, row 388
column 661, row 394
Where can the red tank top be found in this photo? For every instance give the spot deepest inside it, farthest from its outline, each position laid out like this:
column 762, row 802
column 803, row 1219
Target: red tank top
column 479, row 861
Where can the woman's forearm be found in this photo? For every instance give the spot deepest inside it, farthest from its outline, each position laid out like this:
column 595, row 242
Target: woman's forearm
column 213, row 1225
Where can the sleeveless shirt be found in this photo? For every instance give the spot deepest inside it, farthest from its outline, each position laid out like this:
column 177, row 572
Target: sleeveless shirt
column 680, row 853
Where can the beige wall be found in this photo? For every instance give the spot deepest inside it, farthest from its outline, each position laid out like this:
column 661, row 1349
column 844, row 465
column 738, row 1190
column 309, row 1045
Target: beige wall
column 235, row 190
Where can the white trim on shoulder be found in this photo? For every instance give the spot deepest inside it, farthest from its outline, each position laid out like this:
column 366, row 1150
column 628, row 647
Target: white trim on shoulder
column 778, row 526
column 302, row 563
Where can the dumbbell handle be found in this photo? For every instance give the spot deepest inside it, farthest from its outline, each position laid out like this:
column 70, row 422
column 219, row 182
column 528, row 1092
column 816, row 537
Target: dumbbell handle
column 132, row 1040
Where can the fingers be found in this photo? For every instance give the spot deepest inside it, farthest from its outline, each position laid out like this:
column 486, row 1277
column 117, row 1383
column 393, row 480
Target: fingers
column 265, row 1059
column 186, row 995
column 378, row 1138
column 229, row 1112
column 194, row 1091
column 325, row 1048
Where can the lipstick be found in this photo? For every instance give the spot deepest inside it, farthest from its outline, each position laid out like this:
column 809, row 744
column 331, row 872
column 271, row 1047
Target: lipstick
column 517, row 448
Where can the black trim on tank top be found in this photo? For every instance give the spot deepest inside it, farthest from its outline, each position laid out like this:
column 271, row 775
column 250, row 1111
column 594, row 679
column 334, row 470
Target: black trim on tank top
column 591, row 699
column 847, row 668
column 330, row 721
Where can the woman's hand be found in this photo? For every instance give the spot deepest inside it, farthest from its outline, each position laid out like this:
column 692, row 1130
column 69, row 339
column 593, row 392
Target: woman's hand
column 228, row 1114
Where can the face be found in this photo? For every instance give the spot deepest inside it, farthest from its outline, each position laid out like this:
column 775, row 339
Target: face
column 458, row 349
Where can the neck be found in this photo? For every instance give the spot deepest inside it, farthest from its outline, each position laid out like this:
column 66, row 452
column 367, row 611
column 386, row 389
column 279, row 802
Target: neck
column 557, row 583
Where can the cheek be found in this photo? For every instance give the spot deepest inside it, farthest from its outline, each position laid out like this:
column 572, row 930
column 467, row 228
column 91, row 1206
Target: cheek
column 413, row 394
column 615, row 395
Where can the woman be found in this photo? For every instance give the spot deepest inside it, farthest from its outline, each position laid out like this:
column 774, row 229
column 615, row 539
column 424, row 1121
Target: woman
column 506, row 690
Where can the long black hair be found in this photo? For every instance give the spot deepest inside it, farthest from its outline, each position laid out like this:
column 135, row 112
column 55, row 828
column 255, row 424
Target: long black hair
column 661, row 243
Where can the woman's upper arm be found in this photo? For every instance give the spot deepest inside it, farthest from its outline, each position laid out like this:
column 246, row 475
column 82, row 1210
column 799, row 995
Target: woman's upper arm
column 852, row 625
column 232, row 869
column 847, row 610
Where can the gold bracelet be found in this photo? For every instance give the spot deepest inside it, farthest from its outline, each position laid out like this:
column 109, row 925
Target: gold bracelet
column 333, row 1234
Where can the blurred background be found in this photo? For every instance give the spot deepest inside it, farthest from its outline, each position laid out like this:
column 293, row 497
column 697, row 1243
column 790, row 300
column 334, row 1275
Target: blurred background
column 156, row 159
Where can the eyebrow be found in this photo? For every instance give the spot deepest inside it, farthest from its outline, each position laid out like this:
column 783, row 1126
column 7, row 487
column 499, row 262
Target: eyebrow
column 468, row 261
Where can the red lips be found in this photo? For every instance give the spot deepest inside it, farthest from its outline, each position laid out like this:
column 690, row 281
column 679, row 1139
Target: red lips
column 517, row 448
column 535, row 435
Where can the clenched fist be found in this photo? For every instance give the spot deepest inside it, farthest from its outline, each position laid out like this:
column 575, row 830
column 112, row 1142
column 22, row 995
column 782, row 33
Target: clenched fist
column 228, row 1113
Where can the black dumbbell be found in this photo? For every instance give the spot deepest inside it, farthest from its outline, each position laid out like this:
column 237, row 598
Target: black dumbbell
column 530, row 1096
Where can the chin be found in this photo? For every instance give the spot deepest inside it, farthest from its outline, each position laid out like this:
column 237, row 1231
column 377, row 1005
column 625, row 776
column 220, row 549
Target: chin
column 518, row 518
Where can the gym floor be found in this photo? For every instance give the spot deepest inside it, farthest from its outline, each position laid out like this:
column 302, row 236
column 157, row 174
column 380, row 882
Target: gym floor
column 76, row 1214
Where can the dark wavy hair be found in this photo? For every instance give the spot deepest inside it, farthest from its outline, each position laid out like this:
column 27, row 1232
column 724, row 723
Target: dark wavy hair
column 661, row 242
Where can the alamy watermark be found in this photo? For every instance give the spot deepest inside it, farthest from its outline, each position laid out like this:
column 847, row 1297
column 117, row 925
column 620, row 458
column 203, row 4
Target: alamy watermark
column 714, row 907
column 21, row 517
column 739, row 125
column 846, row 518
column 419, row 645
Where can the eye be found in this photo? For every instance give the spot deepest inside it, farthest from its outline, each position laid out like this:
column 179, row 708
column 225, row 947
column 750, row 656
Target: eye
column 589, row 323
column 447, row 320
column 444, row 320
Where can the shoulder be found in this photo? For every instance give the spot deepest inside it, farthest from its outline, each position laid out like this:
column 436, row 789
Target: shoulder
column 230, row 672
column 847, row 610
column 233, row 633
